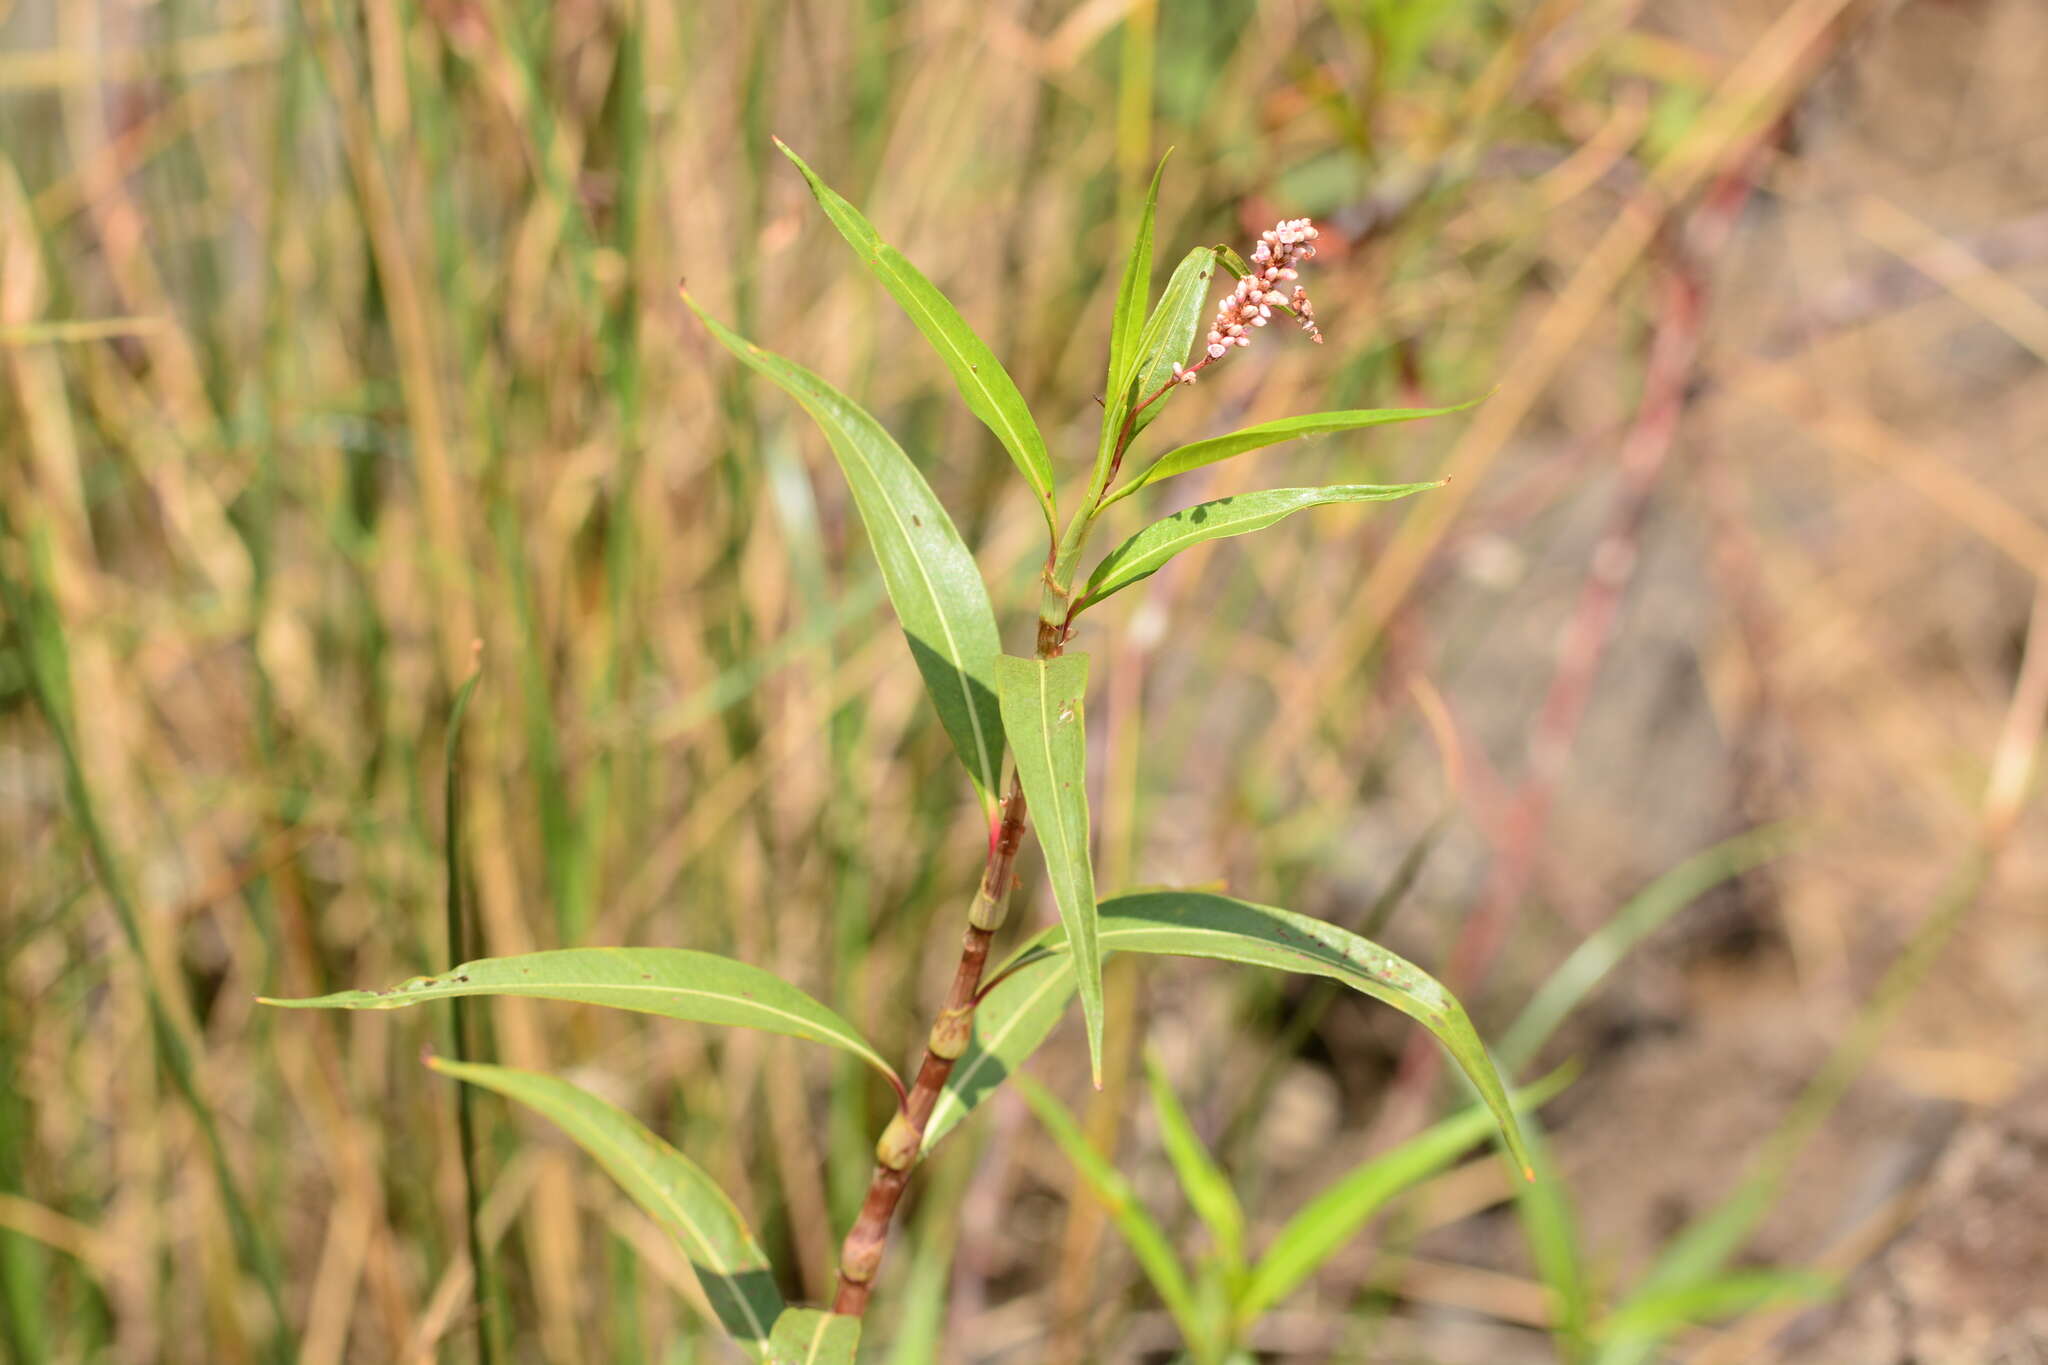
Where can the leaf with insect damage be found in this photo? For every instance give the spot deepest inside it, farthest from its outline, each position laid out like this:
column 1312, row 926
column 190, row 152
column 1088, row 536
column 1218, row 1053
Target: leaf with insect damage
column 1202, row 924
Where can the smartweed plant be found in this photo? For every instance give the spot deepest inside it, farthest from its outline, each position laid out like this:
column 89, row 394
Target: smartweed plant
column 1018, row 723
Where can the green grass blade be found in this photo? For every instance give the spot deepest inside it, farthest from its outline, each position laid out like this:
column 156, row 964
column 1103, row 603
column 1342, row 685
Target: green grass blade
column 1009, row 1025
column 1730, row 1295
column 1208, row 1189
column 1042, row 711
column 1329, row 1221
column 1147, row 1241
column 1198, row 453
column 1543, row 1206
column 932, row 579
column 1202, row 924
column 1170, row 332
column 686, row 1202
column 1590, row 962
column 677, row 983
column 1699, row 1253
column 1145, row 553
column 806, row 1336
column 990, row 393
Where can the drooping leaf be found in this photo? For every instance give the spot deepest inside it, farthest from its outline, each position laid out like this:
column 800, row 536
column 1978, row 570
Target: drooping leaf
column 1145, row 553
column 1208, row 1189
column 675, row 982
column 1170, row 332
column 1147, row 1242
column 1009, row 1024
column 1198, row 453
column 1329, row 1221
column 807, row 1336
column 1042, row 711
column 1128, row 321
column 687, row 1203
column 990, row 393
column 932, row 579
column 1202, row 924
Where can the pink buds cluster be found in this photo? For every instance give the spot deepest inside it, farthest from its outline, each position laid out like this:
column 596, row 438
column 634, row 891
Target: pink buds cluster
column 1259, row 293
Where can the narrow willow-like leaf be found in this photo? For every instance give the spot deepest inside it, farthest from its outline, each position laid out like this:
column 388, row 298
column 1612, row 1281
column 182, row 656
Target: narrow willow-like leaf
column 1170, row 332
column 932, row 579
column 1208, row 1189
column 675, row 982
column 1329, row 1221
column 1145, row 553
column 1042, row 711
column 990, row 393
column 1202, row 924
column 687, row 1203
column 806, row 1336
column 1128, row 321
column 1009, row 1025
column 1198, row 453
column 1147, row 1242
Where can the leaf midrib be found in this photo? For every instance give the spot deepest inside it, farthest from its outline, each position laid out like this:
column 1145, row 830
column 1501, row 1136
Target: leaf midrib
column 887, row 257
column 953, row 656
column 682, row 1215
column 811, row 1028
column 1170, row 548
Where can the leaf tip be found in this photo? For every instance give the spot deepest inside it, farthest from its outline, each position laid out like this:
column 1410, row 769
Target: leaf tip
column 1529, row 1174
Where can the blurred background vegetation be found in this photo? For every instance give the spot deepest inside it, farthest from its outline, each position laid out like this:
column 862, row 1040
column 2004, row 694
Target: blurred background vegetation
column 339, row 342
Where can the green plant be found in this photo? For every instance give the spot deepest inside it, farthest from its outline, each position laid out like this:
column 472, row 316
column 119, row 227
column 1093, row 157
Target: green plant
column 1018, row 725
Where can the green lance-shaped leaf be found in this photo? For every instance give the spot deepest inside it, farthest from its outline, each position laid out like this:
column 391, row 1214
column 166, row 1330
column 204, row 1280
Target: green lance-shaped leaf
column 1203, row 924
column 807, row 1336
column 1145, row 553
column 1329, row 1221
column 1127, row 323
column 990, row 393
column 932, row 579
column 1198, row 453
column 1170, row 332
column 687, row 1203
column 1013, row 1019
column 1042, row 711
column 675, row 982
column 1147, row 1241
column 1208, row 1189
